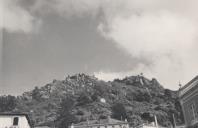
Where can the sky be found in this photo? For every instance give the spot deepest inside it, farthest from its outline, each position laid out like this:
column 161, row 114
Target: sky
column 42, row 40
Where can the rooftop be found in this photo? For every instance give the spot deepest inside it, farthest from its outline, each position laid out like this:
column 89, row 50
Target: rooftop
column 108, row 121
column 193, row 83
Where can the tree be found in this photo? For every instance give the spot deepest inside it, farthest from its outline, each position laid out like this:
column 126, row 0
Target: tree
column 147, row 117
column 36, row 94
column 168, row 93
column 7, row 103
column 84, row 98
column 143, row 95
column 134, row 120
column 65, row 116
column 119, row 111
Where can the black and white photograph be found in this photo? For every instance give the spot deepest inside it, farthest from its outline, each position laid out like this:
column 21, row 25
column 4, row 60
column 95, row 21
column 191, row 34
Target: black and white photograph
column 98, row 64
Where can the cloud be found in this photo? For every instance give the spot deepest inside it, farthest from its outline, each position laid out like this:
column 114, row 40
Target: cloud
column 68, row 7
column 151, row 34
column 159, row 33
column 14, row 18
column 162, row 32
column 109, row 76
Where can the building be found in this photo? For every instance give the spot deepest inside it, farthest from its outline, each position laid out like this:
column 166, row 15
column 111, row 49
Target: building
column 102, row 123
column 14, row 121
column 148, row 126
column 189, row 101
column 42, row 127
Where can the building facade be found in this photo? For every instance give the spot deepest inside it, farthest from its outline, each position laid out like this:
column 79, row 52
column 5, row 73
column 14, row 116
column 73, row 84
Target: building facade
column 14, row 121
column 103, row 123
column 189, row 102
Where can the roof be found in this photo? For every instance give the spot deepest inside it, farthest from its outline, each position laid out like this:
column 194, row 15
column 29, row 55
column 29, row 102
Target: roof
column 41, row 127
column 17, row 114
column 193, row 83
column 109, row 121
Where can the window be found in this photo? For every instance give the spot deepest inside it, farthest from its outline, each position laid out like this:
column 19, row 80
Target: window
column 192, row 111
column 16, row 121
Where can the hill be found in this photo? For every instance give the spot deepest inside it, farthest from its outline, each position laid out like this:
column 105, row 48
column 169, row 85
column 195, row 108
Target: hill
column 135, row 98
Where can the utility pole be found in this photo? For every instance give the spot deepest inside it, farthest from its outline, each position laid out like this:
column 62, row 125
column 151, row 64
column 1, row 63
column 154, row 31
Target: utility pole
column 174, row 122
column 156, row 123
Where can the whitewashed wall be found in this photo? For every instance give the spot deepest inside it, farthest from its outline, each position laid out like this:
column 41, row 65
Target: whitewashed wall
column 7, row 122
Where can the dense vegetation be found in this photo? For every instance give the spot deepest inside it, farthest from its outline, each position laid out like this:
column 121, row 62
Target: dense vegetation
column 81, row 97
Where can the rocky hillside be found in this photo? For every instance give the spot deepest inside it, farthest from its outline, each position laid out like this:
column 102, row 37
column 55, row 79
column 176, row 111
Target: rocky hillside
column 135, row 98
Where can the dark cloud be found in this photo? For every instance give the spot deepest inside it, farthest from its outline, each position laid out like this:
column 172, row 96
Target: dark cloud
column 61, row 47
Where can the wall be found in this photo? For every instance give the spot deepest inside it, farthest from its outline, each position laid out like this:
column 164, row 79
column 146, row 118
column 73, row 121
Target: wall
column 7, row 121
column 187, row 101
column 108, row 126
